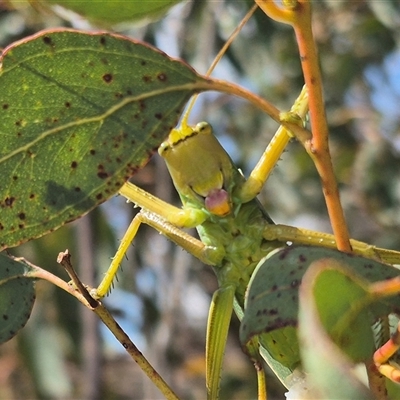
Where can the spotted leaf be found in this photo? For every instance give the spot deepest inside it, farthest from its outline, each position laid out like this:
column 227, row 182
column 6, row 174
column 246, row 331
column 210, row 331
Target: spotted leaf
column 79, row 114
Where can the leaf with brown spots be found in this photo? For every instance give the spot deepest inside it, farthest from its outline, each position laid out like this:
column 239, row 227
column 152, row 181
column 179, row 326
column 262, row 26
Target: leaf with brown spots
column 79, row 114
column 17, row 295
column 272, row 302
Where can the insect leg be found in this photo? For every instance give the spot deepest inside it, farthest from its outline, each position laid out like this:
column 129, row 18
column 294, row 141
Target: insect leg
column 252, row 187
column 180, row 217
column 206, row 254
column 285, row 233
column 217, row 332
column 109, row 276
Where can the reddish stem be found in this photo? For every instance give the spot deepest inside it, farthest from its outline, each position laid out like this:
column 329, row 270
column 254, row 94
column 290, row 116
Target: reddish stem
column 299, row 16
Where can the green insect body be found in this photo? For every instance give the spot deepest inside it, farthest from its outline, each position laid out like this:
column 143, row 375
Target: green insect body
column 236, row 233
column 233, row 230
column 236, row 236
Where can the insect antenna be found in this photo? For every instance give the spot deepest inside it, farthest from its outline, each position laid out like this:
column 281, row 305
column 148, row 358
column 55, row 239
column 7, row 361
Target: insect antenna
column 218, row 58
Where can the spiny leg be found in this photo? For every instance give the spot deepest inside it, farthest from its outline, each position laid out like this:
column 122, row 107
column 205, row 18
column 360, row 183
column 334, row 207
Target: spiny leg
column 194, row 246
column 252, row 187
column 221, row 304
column 159, row 215
column 144, row 199
column 285, row 233
column 111, row 272
column 221, row 307
column 165, row 218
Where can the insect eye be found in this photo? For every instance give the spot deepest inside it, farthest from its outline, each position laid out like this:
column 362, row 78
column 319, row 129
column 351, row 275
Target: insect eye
column 204, row 128
column 164, row 147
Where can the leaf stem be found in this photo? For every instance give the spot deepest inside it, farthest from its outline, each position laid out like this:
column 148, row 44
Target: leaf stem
column 319, row 146
column 301, row 133
column 298, row 14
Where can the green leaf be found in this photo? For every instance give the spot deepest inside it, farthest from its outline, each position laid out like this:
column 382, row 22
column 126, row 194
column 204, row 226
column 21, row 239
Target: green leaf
column 17, row 295
column 272, row 303
column 342, row 300
column 79, row 114
column 116, row 11
column 328, row 292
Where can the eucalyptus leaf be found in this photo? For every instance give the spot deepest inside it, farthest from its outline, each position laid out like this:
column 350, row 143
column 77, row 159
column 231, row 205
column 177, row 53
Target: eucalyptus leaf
column 322, row 282
column 272, row 303
column 79, row 114
column 116, row 11
column 17, row 296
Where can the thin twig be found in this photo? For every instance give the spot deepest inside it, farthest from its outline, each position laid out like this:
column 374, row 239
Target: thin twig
column 82, row 294
column 64, row 258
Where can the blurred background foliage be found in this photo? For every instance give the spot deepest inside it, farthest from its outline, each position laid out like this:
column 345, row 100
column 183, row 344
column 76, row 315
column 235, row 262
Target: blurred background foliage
column 163, row 294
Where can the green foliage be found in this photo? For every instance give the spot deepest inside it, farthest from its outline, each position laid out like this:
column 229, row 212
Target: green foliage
column 106, row 12
column 359, row 35
column 272, row 302
column 80, row 113
column 337, row 307
column 316, row 347
column 344, row 314
column 17, row 295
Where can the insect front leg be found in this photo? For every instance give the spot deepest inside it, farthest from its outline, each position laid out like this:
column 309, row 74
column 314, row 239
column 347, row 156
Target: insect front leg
column 194, row 246
column 179, row 217
column 108, row 279
column 253, row 185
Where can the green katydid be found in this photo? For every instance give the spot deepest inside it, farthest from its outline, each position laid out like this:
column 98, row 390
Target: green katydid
column 234, row 229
